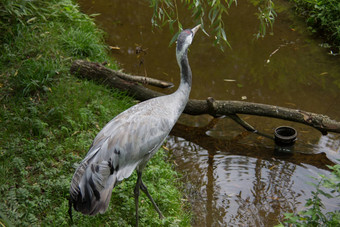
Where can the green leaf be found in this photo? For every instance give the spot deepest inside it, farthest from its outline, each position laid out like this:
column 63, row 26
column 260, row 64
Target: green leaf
column 68, row 9
column 329, row 196
column 215, row 12
column 223, row 35
column 174, row 38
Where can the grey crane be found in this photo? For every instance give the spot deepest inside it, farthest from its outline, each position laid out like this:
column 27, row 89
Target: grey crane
column 128, row 141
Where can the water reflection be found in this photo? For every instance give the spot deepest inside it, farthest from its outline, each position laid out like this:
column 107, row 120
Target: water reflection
column 249, row 144
column 241, row 184
column 242, row 190
column 272, row 194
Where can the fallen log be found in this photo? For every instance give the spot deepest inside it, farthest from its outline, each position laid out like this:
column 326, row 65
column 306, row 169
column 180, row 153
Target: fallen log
column 215, row 108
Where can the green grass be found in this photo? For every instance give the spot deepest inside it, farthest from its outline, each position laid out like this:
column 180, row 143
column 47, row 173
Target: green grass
column 48, row 119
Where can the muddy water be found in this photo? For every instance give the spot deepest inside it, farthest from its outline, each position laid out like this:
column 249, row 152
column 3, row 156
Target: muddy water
column 231, row 177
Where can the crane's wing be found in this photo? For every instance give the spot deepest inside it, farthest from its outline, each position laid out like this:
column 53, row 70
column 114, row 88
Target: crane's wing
column 127, row 141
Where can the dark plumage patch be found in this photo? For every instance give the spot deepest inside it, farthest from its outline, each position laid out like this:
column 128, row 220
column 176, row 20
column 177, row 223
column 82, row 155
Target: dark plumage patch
column 116, row 151
column 179, row 46
column 111, row 167
column 94, row 168
column 93, row 187
column 186, row 72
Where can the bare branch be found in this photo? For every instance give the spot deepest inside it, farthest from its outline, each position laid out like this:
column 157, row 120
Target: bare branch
column 143, row 80
column 214, row 108
column 92, row 67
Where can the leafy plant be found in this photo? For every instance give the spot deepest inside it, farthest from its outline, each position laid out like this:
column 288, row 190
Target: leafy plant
column 313, row 215
column 266, row 16
column 166, row 12
column 322, row 17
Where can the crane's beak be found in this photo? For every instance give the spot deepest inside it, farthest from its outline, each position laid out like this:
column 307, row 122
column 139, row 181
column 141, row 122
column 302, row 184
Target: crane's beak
column 195, row 29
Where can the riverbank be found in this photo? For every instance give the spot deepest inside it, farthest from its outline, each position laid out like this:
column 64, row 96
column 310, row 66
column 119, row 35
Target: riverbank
column 322, row 17
column 49, row 119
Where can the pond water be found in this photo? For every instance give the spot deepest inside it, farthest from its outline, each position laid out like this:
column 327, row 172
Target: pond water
column 233, row 177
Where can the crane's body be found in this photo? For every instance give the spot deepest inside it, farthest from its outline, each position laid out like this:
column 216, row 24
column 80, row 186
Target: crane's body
column 128, row 141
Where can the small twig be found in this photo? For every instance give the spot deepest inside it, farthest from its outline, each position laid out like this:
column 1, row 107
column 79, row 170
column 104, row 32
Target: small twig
column 144, row 80
column 247, row 126
column 243, row 123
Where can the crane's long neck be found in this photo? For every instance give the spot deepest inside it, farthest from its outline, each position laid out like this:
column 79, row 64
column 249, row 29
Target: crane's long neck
column 186, row 75
column 181, row 96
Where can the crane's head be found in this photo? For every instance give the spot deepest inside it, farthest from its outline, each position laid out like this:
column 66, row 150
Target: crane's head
column 185, row 39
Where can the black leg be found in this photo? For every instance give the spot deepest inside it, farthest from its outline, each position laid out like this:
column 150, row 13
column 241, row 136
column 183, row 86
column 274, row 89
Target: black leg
column 70, row 209
column 145, row 190
column 141, row 185
column 136, row 191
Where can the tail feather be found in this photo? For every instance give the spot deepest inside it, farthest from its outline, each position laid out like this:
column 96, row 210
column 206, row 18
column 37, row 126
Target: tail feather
column 92, row 185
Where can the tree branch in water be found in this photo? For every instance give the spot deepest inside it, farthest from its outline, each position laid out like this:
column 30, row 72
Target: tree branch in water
column 215, row 108
column 199, row 136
